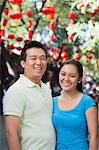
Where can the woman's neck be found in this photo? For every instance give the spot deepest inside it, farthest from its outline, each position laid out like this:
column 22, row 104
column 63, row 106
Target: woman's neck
column 71, row 94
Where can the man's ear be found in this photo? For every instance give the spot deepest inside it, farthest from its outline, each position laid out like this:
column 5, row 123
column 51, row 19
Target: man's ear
column 22, row 63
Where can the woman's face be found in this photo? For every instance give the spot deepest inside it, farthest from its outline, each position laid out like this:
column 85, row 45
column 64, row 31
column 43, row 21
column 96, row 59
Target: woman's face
column 69, row 77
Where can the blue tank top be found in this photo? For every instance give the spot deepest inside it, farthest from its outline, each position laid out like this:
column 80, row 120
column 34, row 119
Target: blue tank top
column 71, row 125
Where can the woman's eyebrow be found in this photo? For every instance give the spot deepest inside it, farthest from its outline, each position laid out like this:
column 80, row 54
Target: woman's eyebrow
column 69, row 72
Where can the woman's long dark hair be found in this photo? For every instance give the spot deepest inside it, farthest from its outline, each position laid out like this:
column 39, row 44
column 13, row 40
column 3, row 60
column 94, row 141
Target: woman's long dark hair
column 79, row 69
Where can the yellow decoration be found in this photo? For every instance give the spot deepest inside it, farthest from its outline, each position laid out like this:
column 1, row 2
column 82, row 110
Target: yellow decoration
column 83, row 10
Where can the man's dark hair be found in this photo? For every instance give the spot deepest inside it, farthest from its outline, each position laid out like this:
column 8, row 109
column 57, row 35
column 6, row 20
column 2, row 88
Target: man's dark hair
column 31, row 44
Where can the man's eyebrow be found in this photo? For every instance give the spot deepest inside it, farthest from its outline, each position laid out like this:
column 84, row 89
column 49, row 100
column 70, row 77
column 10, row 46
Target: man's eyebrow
column 37, row 56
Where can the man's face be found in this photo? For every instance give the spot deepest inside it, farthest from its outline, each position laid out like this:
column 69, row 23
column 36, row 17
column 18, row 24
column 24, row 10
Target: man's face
column 35, row 64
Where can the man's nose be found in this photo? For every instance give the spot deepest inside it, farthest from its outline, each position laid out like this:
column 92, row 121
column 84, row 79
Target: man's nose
column 38, row 61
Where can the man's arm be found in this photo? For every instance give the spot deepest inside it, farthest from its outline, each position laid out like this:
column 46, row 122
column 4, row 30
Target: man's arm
column 12, row 124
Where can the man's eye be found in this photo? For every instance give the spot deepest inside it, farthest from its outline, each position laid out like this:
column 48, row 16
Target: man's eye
column 33, row 58
column 43, row 58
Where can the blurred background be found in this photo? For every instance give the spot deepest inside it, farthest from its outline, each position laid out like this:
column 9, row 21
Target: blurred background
column 67, row 28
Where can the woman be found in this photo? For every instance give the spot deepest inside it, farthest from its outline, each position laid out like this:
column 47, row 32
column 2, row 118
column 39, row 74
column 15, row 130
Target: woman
column 75, row 113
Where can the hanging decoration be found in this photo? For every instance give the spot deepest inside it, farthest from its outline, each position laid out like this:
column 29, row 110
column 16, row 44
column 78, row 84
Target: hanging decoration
column 14, row 2
column 72, row 17
column 29, row 23
column 64, row 54
column 88, row 7
column 49, row 10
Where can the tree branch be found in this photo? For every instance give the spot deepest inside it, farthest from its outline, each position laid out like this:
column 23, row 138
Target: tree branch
column 2, row 8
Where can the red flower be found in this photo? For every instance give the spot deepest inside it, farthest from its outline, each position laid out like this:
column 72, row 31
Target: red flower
column 71, row 15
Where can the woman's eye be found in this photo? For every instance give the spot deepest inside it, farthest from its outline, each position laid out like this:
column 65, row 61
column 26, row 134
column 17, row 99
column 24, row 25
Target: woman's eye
column 63, row 74
column 73, row 76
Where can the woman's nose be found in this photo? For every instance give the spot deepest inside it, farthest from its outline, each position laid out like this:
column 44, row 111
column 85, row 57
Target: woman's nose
column 67, row 78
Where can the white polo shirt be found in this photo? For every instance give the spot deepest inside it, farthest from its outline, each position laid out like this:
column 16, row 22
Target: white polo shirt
column 33, row 104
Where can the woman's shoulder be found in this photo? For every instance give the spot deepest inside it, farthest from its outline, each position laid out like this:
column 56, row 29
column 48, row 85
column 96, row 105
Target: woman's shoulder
column 88, row 101
column 87, row 98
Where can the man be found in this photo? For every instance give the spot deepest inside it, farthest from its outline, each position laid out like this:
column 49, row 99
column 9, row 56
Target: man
column 27, row 104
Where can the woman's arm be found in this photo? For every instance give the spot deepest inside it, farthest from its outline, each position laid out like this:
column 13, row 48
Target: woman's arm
column 11, row 128
column 92, row 122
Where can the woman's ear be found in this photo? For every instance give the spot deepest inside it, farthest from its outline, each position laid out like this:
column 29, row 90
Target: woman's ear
column 22, row 63
column 80, row 79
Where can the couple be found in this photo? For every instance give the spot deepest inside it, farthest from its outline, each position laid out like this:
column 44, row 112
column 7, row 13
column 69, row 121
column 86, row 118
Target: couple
column 28, row 107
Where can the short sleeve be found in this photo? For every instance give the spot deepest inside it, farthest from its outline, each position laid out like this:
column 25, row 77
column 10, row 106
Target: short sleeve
column 13, row 102
column 89, row 102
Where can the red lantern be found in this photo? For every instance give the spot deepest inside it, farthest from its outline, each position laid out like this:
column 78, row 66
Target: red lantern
column 63, row 56
column 89, row 56
column 71, row 36
column 0, row 40
column 10, row 47
column 16, row 15
column 48, row 10
column 51, row 16
column 29, row 24
column 89, row 50
column 6, row 11
column 51, row 26
column 78, row 51
column 91, row 14
column 77, row 43
column 30, row 33
column 52, row 38
column 71, row 23
column 19, row 48
column 15, row 1
column 11, row 36
column 4, row 23
column 71, row 15
column 19, row 39
column 26, row 41
column 78, row 57
column 29, row 13
column 2, row 32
